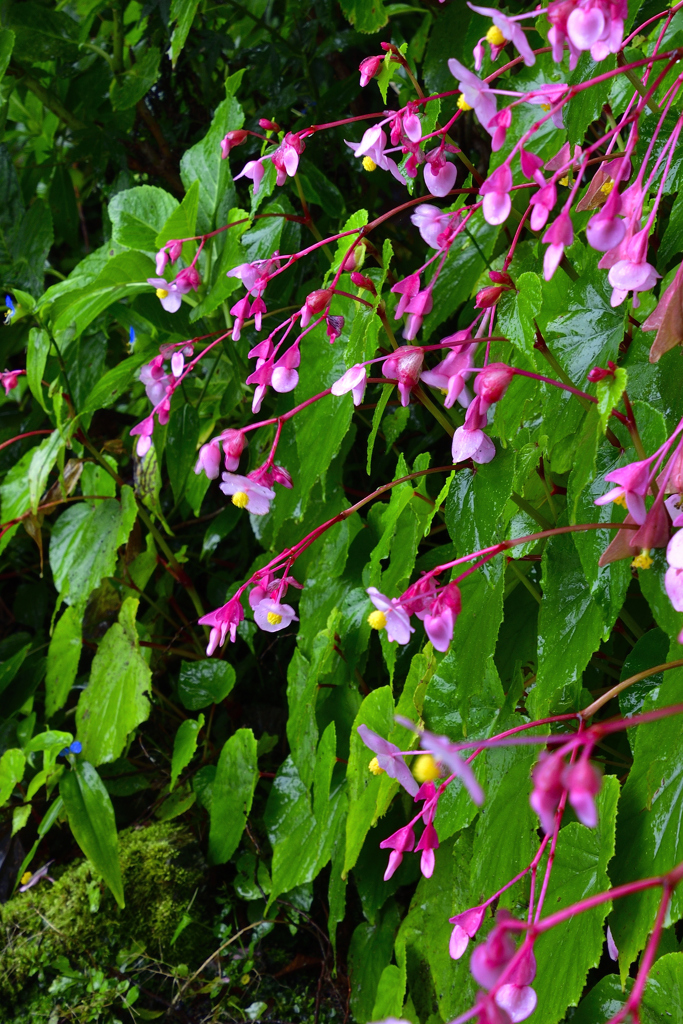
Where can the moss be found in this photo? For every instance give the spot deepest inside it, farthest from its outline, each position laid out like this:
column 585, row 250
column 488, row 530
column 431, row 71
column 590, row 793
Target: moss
column 77, row 917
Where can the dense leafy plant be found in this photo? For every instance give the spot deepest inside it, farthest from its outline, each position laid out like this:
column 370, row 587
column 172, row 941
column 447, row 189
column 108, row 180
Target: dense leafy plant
column 251, row 536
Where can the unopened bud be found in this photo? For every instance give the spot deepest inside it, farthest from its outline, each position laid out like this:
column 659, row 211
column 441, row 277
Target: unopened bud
column 314, row 304
column 500, row 277
column 598, row 374
column 488, row 296
column 269, row 126
column 232, row 139
column 354, row 260
column 368, row 69
column 493, row 382
column 361, row 281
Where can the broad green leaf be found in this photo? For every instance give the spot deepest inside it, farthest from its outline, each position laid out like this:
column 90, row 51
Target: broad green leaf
column 182, row 436
column 14, row 495
column 476, row 501
column 7, row 38
column 123, row 276
column 672, row 240
column 184, row 746
column 10, row 667
column 205, row 682
column 84, row 543
column 570, row 629
column 610, row 391
column 36, row 357
column 358, row 219
column 650, row 650
column 133, row 84
column 232, row 255
column 63, row 656
column 115, row 700
column 303, row 677
column 369, row 954
column 233, row 792
column 44, row 458
column 649, row 840
column 376, row 712
column 182, row 221
column 389, row 69
column 139, row 215
column 114, row 383
column 203, row 163
column 182, row 13
column 567, row 952
column 391, row 991
column 584, row 107
column 12, row 765
column 364, row 16
column 91, row 818
column 516, row 312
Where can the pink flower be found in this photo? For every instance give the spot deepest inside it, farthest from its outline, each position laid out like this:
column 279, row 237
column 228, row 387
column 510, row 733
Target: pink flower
column 407, row 289
column 417, row 308
column 500, row 122
column 451, row 373
column 431, row 223
column 560, row 234
column 373, row 144
column 272, row 616
column 632, row 482
column 583, row 783
column 597, row 26
column 633, row 274
column 466, row 927
column 611, row 945
column 247, row 493
column 234, row 443
column 240, row 311
column 531, row 166
column 542, row 203
column 404, row 366
column 667, row 319
column 439, row 175
column 429, row 841
column 439, row 620
column 177, row 364
column 605, row 230
column 511, row 30
column 368, row 69
column 391, row 616
column 548, row 788
column 253, row 169
column 314, row 305
column 472, row 444
column 673, row 578
column 286, row 157
column 417, row 599
column 281, row 375
column 516, row 996
column 444, row 752
column 209, row 460
column 335, row 325
column 353, row 380
column 269, row 475
column 475, row 92
column 496, row 192
column 232, row 139
column 144, row 431
column 492, row 383
column 155, row 380
column 389, row 758
column 9, row 379
column 490, row 959
column 399, row 843
column 170, row 293
column 161, row 261
column 228, row 617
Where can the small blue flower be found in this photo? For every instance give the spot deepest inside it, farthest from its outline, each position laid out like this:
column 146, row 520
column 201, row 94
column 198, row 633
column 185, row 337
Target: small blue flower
column 131, row 337
column 11, row 308
column 75, row 748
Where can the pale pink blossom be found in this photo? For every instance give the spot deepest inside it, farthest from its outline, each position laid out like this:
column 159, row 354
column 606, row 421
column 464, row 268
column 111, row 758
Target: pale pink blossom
column 254, row 170
column 632, row 482
column 399, row 843
column 404, row 366
column 466, row 927
column 170, row 293
column 209, row 460
column 234, row 138
column 476, row 93
column 246, row 493
column 286, row 157
column 439, row 175
column 548, row 788
column 389, row 758
column 496, row 192
column 583, row 782
column 490, row 959
column 354, row 380
column 431, row 223
column 272, row 616
column 559, row 235
column 511, row 30
column 396, row 620
column 451, row 373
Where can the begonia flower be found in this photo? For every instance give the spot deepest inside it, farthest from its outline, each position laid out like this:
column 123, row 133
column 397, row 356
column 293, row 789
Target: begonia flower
column 354, row 380
column 404, row 366
column 439, row 174
column 417, row 309
column 368, row 69
column 389, row 759
column 472, row 444
column 143, row 431
column 667, row 319
column 467, row 924
column 605, row 230
column 272, row 616
column 511, row 31
column 431, row 223
column 516, row 996
column 314, row 305
column 408, row 288
column 476, row 93
column 583, row 782
column 253, row 169
column 500, row 123
column 402, row 841
column 9, row 379
column 246, row 493
column 439, row 619
column 429, row 841
column 234, row 443
column 234, row 138
column 170, row 293
column 496, row 192
column 390, row 616
column 223, row 620
column 634, row 273
column 492, row 383
column 559, row 235
column 451, row 373
column 209, row 460
column 542, row 203
column 444, row 752
column 632, row 482
column 547, row 775
column 490, row 959
column 286, row 157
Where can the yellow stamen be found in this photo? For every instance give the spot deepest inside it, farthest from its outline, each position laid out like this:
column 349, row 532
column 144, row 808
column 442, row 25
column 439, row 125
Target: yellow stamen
column 377, row 619
column 26, row 877
column 643, row 560
column 161, row 293
column 426, row 769
column 607, row 187
column 374, row 767
column 274, row 619
column 545, row 106
column 463, row 104
column 564, row 181
column 495, row 37
column 369, row 164
column 621, row 500
column 240, row 499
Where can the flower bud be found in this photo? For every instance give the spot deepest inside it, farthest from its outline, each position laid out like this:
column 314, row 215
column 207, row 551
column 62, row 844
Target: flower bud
column 234, row 443
column 269, row 126
column 354, row 260
column 361, row 281
column 174, row 250
column 488, row 296
column 314, row 304
column 232, row 139
column 209, row 460
column 492, row 383
column 368, row 69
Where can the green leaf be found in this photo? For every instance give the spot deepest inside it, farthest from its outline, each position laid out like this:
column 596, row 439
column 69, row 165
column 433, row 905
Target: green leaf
column 10, row 667
column 114, row 701
column 232, row 255
column 566, row 953
column 318, row 188
column 672, row 240
column 139, row 215
column 130, row 87
column 649, row 840
column 391, row 991
column 124, row 275
column 182, row 221
column 6, row 46
column 203, row 163
column 84, row 543
column 12, row 765
column 114, row 383
column 36, row 357
column 357, row 220
column 63, row 656
column 205, row 682
column 376, row 712
column 182, row 436
column 233, row 792
column 610, row 391
column 369, row 954
column 650, row 650
column 389, row 69
column 44, row 458
column 182, row 13
column 91, row 818
column 376, row 420
column 184, row 746
column 476, row 502
column 365, row 16
column 570, row 629
column 516, row 312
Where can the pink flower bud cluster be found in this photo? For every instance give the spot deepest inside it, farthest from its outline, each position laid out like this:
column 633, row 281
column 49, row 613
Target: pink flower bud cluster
column 285, row 159
column 553, row 777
